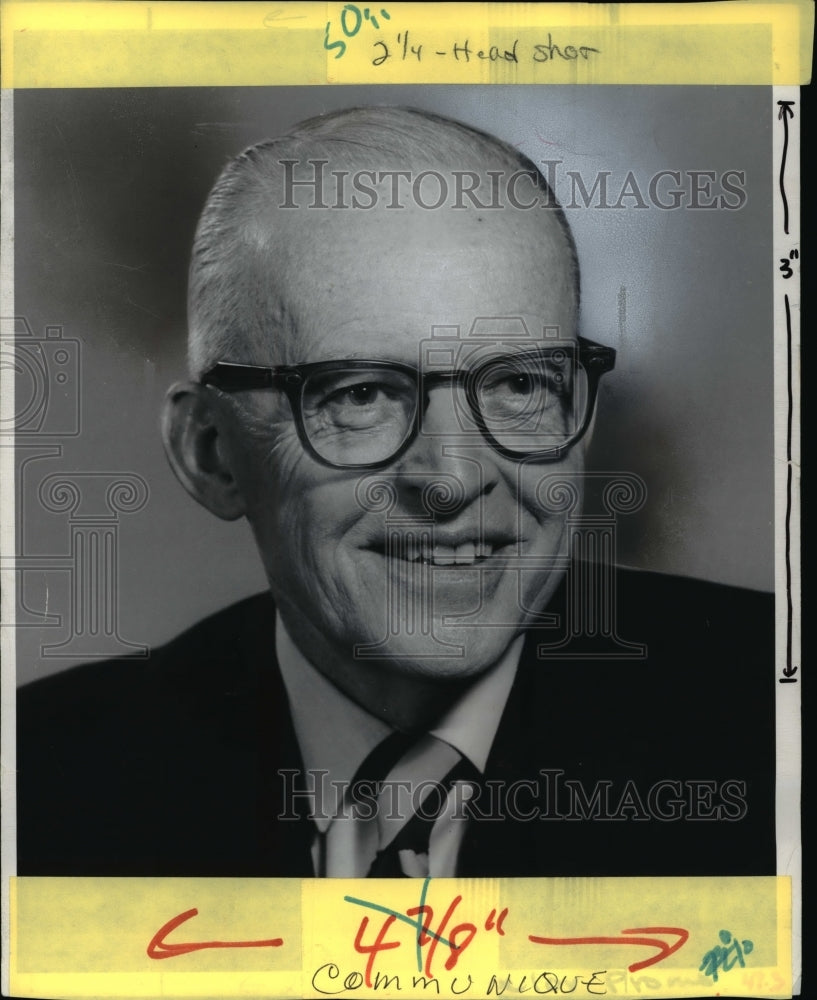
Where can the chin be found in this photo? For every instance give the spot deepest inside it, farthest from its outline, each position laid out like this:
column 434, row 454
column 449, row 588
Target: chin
column 443, row 653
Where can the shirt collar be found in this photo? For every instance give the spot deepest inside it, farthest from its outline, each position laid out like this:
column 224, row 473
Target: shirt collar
column 335, row 734
column 471, row 723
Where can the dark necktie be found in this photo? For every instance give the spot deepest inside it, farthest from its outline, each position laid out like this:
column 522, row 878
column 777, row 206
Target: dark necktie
column 348, row 843
column 407, row 852
column 385, row 755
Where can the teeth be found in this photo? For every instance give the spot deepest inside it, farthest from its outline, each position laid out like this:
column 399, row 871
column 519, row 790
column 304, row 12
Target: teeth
column 444, row 555
column 465, row 554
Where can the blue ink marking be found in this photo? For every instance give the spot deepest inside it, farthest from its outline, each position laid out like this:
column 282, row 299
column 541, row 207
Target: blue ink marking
column 422, row 904
column 333, row 45
column 416, row 924
column 370, row 17
column 350, row 8
column 726, row 955
column 358, row 17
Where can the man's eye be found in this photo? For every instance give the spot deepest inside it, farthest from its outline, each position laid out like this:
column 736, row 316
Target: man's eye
column 359, row 395
column 364, row 400
column 360, row 405
column 522, row 384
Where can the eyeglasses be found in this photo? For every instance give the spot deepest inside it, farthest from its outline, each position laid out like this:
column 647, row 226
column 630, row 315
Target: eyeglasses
column 530, row 404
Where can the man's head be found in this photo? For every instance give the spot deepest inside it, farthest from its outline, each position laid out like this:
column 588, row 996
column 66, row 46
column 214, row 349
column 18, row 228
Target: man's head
column 386, row 235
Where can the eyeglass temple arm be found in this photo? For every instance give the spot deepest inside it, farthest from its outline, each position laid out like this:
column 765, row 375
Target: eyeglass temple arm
column 227, row 375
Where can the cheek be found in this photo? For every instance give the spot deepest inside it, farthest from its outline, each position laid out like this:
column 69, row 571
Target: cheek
column 551, row 493
column 301, row 512
column 271, row 472
column 272, row 467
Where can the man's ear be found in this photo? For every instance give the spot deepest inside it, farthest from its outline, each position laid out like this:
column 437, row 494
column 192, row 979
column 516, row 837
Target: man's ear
column 195, row 446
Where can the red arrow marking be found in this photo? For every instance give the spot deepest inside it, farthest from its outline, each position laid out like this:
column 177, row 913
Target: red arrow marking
column 664, row 949
column 159, row 948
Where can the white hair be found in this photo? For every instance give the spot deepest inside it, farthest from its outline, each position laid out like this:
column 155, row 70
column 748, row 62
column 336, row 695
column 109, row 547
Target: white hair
column 233, row 305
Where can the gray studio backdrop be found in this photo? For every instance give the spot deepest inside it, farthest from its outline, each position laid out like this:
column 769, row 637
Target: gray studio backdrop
column 108, row 186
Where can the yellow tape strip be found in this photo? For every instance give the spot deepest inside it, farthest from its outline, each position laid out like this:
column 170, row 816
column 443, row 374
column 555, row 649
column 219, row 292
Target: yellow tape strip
column 122, row 44
column 286, row 937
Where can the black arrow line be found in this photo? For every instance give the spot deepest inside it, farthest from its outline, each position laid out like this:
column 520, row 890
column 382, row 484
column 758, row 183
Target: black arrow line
column 788, row 670
column 784, row 113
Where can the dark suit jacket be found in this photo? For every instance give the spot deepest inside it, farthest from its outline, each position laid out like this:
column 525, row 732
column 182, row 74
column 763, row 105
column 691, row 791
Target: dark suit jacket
column 171, row 766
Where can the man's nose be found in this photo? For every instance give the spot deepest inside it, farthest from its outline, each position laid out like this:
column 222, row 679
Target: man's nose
column 449, row 465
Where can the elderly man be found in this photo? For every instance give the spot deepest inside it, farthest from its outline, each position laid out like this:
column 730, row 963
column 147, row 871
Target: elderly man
column 388, row 383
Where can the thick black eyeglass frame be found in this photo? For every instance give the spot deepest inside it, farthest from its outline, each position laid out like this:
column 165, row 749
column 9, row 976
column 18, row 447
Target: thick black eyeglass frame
column 596, row 359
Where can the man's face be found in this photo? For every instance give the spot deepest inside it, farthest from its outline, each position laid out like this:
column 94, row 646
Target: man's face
column 372, row 285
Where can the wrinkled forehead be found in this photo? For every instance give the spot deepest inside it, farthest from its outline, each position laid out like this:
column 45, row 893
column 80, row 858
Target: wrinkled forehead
column 369, row 265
